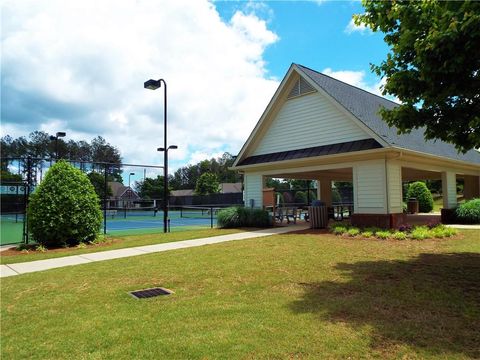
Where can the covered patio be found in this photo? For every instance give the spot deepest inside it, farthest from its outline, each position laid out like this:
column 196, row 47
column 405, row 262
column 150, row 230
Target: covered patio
column 318, row 128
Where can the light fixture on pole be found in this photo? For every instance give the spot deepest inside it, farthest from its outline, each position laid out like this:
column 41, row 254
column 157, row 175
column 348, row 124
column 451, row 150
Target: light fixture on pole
column 154, row 85
column 132, row 173
column 59, row 134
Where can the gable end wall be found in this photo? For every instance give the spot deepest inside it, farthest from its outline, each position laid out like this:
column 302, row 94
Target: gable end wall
column 308, row 121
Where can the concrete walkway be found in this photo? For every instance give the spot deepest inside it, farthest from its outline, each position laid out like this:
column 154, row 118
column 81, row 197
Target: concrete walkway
column 468, row 227
column 40, row 265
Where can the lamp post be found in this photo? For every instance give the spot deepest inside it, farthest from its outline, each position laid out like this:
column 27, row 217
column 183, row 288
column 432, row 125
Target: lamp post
column 57, row 135
column 165, row 184
column 132, row 173
column 154, row 85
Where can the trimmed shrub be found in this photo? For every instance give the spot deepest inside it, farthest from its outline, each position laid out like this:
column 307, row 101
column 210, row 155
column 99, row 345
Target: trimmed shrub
column 399, row 235
column 64, row 209
column 367, row 234
column 420, row 191
column 233, row 217
column 420, row 233
column 340, row 230
column 469, row 212
column 383, row 234
column 353, row 232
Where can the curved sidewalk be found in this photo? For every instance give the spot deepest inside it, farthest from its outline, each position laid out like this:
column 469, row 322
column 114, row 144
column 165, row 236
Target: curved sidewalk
column 40, row 265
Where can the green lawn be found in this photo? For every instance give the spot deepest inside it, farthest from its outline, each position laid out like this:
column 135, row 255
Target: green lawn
column 279, row 297
column 116, row 242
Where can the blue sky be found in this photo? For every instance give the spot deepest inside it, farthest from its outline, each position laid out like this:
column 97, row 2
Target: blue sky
column 79, row 67
column 315, row 34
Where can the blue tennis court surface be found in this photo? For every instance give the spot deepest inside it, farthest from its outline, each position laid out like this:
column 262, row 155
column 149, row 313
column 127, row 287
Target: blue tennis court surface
column 120, row 222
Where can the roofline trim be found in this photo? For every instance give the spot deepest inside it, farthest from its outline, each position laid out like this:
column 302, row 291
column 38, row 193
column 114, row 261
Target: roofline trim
column 311, row 159
column 437, row 157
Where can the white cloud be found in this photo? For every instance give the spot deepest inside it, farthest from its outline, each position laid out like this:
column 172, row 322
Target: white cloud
column 79, row 67
column 355, row 78
column 352, row 27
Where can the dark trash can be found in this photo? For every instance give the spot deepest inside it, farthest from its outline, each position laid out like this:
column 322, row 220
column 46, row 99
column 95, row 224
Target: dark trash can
column 412, row 206
column 318, row 214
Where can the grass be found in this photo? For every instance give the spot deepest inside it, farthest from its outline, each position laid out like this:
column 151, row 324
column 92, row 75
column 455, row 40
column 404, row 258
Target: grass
column 305, row 296
column 112, row 243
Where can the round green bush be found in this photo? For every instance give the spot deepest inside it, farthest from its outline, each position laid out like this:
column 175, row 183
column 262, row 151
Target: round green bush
column 469, row 212
column 420, row 191
column 242, row 217
column 64, row 209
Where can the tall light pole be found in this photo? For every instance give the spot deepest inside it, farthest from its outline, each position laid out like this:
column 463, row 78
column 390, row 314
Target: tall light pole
column 154, row 85
column 132, row 173
column 165, row 184
column 58, row 135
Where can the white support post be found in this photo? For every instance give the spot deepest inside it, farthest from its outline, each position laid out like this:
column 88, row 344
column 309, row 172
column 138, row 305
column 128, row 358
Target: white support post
column 449, row 189
column 253, row 190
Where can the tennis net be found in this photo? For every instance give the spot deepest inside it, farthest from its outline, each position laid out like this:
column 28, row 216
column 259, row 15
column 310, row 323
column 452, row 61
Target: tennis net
column 198, row 212
column 129, row 212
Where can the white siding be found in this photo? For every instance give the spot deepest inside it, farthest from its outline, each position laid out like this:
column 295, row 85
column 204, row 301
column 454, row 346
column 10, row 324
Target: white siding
column 394, row 183
column 253, row 189
column 308, row 121
column 369, row 187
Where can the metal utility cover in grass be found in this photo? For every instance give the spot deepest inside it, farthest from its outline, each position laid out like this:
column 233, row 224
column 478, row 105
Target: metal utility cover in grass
column 149, row 293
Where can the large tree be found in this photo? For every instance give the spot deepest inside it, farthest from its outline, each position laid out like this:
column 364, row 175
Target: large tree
column 207, row 184
column 186, row 177
column 433, row 67
column 151, row 188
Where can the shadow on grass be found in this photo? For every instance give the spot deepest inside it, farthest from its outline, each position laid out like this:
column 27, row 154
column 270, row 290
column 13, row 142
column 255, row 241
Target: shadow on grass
column 430, row 302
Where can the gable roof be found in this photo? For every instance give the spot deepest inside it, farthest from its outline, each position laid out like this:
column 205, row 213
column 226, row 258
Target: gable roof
column 365, row 107
column 118, row 189
column 364, row 110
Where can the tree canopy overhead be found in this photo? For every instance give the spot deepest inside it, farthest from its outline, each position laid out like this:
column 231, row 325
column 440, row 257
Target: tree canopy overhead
column 433, row 67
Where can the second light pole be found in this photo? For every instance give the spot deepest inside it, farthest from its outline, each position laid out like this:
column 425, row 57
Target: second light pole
column 154, row 85
column 59, row 134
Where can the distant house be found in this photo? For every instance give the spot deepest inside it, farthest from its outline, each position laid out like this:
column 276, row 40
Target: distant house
column 122, row 196
column 225, row 188
column 229, row 188
column 230, row 193
column 319, row 128
column 185, row 192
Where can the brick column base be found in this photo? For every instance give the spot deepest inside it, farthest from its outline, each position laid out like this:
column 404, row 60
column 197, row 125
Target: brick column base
column 384, row 221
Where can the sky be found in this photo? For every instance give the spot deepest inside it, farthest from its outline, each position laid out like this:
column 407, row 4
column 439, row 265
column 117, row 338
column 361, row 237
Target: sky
column 79, row 67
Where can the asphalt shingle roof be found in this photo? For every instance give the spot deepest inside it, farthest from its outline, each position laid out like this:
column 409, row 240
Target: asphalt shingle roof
column 365, row 106
column 340, row 148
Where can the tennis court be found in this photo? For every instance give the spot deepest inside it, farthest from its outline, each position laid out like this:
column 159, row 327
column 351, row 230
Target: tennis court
column 138, row 220
column 11, row 229
column 130, row 221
